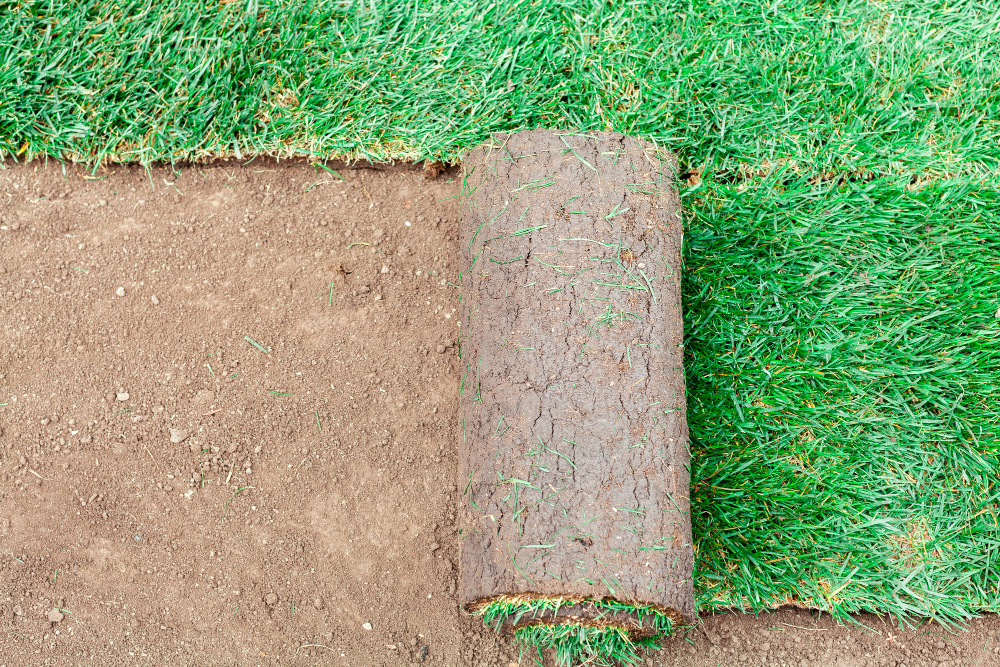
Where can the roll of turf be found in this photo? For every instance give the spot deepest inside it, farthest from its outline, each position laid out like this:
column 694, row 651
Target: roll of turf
column 574, row 472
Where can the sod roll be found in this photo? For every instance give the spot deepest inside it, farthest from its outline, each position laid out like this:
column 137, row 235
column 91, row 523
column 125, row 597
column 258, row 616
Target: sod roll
column 574, row 443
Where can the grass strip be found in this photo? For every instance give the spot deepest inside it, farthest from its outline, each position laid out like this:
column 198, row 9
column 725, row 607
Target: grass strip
column 574, row 643
column 843, row 374
column 861, row 87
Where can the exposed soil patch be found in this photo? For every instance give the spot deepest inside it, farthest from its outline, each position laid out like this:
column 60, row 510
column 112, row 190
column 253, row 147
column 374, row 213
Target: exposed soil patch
column 172, row 493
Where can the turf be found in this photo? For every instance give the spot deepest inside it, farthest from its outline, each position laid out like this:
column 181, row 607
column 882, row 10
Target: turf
column 575, row 644
column 842, row 168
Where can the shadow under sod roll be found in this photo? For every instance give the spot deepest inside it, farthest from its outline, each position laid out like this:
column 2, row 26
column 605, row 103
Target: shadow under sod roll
column 574, row 475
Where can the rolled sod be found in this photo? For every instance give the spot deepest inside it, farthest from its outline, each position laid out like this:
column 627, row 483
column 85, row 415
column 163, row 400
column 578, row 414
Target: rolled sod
column 574, row 472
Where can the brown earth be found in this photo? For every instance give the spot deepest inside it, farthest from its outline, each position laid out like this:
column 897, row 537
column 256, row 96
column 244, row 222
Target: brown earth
column 171, row 494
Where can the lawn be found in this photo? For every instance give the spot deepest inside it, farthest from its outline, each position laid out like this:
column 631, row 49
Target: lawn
column 842, row 189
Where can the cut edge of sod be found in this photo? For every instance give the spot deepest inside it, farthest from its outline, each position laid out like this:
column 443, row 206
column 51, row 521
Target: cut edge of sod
column 579, row 630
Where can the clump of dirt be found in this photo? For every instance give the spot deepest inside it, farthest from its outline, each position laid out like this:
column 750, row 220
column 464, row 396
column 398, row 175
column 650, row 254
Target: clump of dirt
column 217, row 447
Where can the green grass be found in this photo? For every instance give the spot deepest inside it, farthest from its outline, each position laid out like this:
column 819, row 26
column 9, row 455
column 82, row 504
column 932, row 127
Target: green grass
column 843, row 363
column 868, row 87
column 842, row 247
column 576, row 644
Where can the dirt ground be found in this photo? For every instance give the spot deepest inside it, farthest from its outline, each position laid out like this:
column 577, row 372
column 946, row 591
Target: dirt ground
column 227, row 431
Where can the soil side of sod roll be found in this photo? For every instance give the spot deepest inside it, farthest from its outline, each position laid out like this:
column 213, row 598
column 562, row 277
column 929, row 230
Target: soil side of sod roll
column 574, row 443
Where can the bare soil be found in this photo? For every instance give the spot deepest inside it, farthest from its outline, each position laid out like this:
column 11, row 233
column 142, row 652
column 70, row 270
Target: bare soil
column 171, row 493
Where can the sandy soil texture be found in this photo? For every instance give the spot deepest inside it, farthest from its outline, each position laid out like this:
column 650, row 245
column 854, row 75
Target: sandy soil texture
column 227, row 431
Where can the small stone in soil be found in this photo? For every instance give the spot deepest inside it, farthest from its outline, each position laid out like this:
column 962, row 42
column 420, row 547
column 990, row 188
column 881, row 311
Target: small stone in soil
column 271, row 599
column 366, row 626
column 120, row 291
column 177, row 436
column 122, row 396
column 55, row 615
column 156, row 302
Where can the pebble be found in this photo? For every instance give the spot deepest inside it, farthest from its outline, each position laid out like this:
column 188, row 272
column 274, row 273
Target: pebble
column 385, row 268
column 55, row 615
column 271, row 599
column 441, row 349
column 366, row 626
column 156, row 302
column 122, row 396
column 318, row 603
column 120, row 291
column 177, row 436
